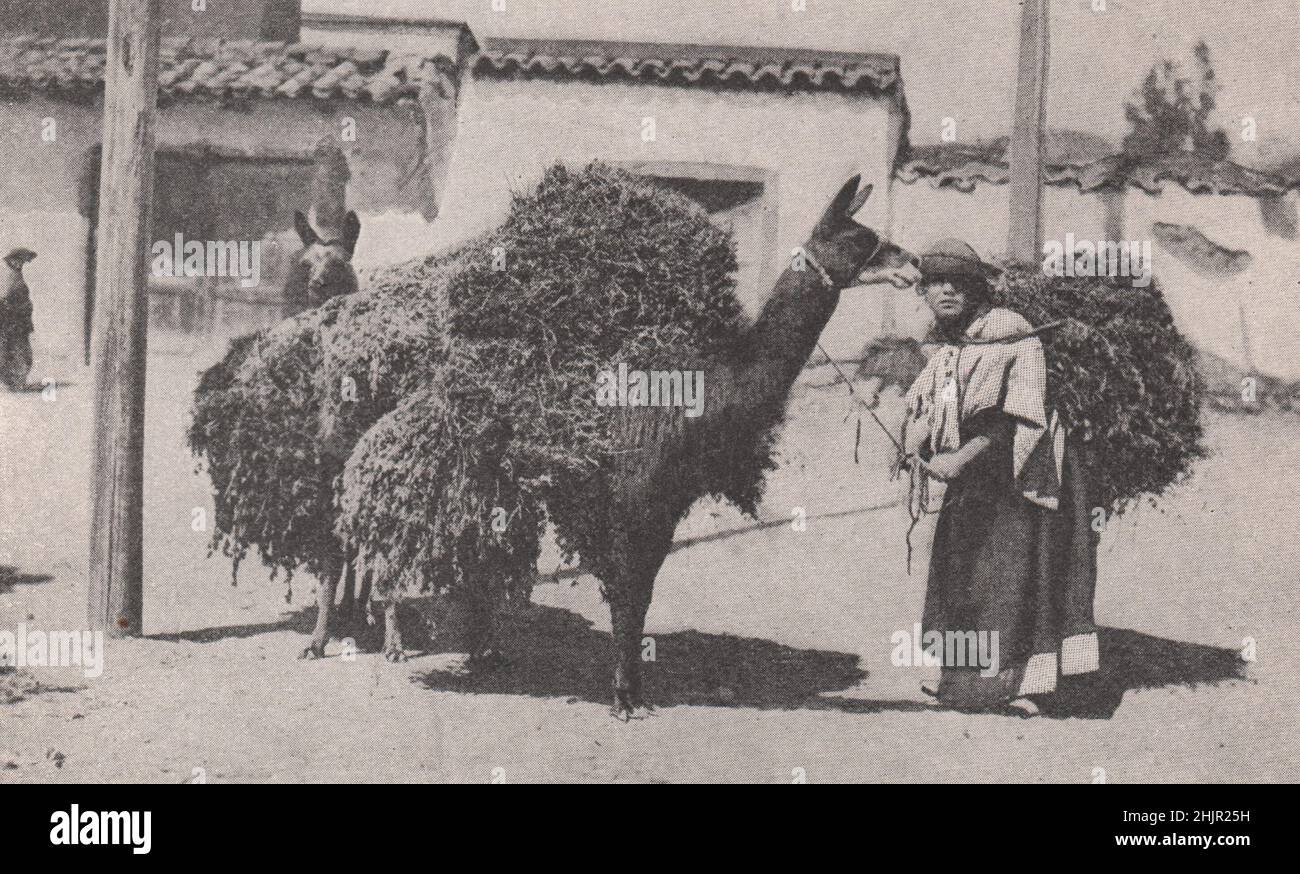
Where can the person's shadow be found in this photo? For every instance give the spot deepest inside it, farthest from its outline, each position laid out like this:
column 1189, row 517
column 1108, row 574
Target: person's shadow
column 1133, row 660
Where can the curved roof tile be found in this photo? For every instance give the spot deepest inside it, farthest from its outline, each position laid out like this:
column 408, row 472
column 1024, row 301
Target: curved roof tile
column 748, row 67
column 192, row 68
column 963, row 166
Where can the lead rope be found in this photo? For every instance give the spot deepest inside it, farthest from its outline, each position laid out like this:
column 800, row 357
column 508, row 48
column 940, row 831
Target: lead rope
column 918, row 504
column 918, row 484
column 918, row 489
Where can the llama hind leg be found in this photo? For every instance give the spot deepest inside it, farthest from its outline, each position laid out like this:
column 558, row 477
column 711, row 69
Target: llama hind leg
column 324, row 608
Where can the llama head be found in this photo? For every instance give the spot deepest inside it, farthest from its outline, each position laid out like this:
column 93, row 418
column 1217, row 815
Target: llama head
column 854, row 254
column 322, row 269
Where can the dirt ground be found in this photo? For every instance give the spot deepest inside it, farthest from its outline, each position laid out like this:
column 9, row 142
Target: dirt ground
column 772, row 644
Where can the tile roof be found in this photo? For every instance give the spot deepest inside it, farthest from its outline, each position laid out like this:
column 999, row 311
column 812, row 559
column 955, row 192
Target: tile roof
column 214, row 69
column 964, row 166
column 746, row 67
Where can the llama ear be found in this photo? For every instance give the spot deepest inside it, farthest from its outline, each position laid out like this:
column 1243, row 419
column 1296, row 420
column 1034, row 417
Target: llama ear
column 305, row 231
column 860, row 200
column 351, row 232
column 838, row 211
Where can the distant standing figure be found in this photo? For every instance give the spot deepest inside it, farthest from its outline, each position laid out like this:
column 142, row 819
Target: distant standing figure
column 16, row 323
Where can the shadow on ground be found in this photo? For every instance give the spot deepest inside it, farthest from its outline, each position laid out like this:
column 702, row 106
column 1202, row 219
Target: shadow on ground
column 11, row 578
column 301, row 621
column 556, row 653
column 553, row 652
column 17, row 684
column 1133, row 660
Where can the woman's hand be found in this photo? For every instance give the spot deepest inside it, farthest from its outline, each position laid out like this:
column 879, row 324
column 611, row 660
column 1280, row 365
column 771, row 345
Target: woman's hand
column 899, row 276
column 945, row 466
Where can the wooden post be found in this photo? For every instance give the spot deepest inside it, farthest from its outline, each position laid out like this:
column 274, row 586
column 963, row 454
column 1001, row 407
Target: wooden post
column 1025, row 230
column 889, row 302
column 329, row 189
column 119, row 344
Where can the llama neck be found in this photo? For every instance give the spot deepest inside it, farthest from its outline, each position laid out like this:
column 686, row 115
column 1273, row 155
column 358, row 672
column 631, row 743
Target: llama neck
column 793, row 318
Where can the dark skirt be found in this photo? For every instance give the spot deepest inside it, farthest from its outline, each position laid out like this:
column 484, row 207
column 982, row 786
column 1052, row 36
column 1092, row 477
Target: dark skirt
column 1021, row 575
column 15, row 361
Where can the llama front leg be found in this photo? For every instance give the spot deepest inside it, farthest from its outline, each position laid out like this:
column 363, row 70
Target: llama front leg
column 629, row 601
column 482, row 616
column 627, row 609
column 348, row 604
column 364, row 619
column 393, row 651
column 324, row 607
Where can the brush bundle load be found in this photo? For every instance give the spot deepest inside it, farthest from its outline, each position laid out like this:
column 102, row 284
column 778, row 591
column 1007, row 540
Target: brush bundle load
column 443, row 414
column 1119, row 372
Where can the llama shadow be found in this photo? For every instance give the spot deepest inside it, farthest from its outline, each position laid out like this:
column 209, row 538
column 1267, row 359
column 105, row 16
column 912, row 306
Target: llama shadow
column 11, row 578
column 368, row 636
column 301, row 621
column 555, row 653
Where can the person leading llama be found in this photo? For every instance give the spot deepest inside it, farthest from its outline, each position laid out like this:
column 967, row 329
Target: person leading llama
column 1014, row 555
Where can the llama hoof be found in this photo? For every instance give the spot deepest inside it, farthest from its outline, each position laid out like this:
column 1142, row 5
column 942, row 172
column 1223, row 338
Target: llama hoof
column 489, row 660
column 627, row 706
column 394, row 655
column 313, row 652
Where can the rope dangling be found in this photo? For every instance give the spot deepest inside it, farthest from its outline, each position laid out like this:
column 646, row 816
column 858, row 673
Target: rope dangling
column 918, row 502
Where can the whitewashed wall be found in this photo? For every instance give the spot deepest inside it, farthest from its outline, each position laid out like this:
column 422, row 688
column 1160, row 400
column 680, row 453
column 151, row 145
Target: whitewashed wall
column 1204, row 307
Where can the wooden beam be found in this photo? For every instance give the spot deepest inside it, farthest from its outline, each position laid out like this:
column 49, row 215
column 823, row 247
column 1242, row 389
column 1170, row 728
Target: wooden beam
column 119, row 344
column 1025, row 229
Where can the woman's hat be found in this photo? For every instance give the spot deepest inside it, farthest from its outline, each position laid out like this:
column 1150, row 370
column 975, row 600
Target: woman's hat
column 949, row 257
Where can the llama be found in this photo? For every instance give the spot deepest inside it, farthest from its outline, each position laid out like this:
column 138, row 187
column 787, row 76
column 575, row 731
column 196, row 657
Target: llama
column 320, row 275
column 664, row 459
column 322, row 268
column 669, row 457
column 318, row 272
